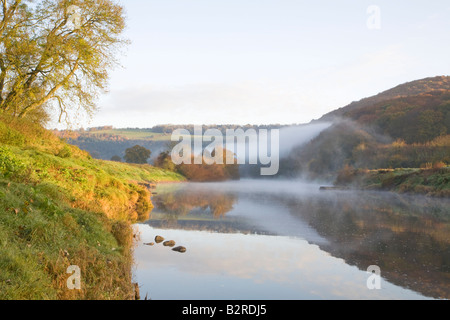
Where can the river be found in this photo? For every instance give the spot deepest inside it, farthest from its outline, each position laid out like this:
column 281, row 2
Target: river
column 287, row 240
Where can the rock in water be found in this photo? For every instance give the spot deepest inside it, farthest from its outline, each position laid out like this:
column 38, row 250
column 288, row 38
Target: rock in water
column 169, row 243
column 179, row 249
column 149, row 244
column 159, row 239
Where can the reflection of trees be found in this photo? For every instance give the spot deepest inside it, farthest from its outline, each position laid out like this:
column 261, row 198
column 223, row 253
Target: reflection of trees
column 407, row 237
column 182, row 202
column 409, row 241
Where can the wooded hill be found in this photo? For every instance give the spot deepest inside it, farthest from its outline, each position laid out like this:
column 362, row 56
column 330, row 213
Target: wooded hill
column 404, row 127
column 409, row 89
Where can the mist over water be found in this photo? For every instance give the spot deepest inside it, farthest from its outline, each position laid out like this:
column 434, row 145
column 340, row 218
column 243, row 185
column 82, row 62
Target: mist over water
column 259, row 152
column 286, row 239
column 291, row 137
column 295, row 136
column 260, row 186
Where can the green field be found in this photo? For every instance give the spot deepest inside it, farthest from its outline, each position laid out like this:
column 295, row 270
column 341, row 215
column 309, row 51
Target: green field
column 133, row 134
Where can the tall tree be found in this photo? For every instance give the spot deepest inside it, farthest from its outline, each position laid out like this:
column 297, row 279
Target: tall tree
column 56, row 54
column 137, row 154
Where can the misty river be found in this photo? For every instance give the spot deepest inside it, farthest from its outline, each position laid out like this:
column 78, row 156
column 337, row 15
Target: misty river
column 287, row 240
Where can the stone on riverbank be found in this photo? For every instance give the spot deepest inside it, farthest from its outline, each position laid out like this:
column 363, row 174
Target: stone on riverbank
column 169, row 243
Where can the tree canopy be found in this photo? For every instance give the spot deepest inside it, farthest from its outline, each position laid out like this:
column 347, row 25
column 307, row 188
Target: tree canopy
column 56, row 54
column 137, row 154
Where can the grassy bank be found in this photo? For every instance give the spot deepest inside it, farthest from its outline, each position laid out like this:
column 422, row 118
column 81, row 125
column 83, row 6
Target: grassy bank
column 431, row 182
column 59, row 207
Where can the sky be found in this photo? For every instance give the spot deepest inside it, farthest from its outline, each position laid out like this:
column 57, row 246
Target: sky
column 267, row 61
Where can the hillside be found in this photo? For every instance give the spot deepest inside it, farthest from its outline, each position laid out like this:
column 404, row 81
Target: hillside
column 428, row 181
column 60, row 207
column 405, row 127
column 413, row 88
column 414, row 119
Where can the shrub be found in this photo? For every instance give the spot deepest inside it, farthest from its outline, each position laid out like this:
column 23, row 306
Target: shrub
column 427, row 165
column 9, row 164
column 10, row 136
column 65, row 152
column 165, row 162
column 123, row 233
column 439, row 165
column 346, row 176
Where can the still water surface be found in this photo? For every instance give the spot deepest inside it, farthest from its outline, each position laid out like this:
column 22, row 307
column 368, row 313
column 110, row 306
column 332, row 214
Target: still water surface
column 286, row 240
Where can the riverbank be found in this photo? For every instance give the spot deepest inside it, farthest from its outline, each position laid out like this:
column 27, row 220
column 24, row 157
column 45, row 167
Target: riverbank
column 59, row 207
column 429, row 182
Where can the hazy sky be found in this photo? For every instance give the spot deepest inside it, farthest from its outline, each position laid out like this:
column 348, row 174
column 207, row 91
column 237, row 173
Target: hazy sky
column 267, row 61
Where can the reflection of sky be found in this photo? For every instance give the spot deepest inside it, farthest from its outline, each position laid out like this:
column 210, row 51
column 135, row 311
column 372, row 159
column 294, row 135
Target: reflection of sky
column 274, row 218
column 250, row 267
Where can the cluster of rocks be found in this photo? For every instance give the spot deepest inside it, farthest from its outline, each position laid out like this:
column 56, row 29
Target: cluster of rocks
column 168, row 243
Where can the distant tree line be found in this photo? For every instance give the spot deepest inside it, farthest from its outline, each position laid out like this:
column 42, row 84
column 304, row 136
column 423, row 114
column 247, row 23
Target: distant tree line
column 168, row 129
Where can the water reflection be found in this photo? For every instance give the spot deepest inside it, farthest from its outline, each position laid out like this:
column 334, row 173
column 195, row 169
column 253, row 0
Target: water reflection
column 249, row 267
column 182, row 202
column 407, row 237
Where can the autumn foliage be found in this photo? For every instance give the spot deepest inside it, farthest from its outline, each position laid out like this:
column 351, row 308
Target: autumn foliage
column 201, row 172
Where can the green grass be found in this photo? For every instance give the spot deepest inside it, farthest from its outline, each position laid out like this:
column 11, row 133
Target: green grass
column 59, row 207
column 141, row 134
column 139, row 172
column 41, row 237
column 431, row 182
